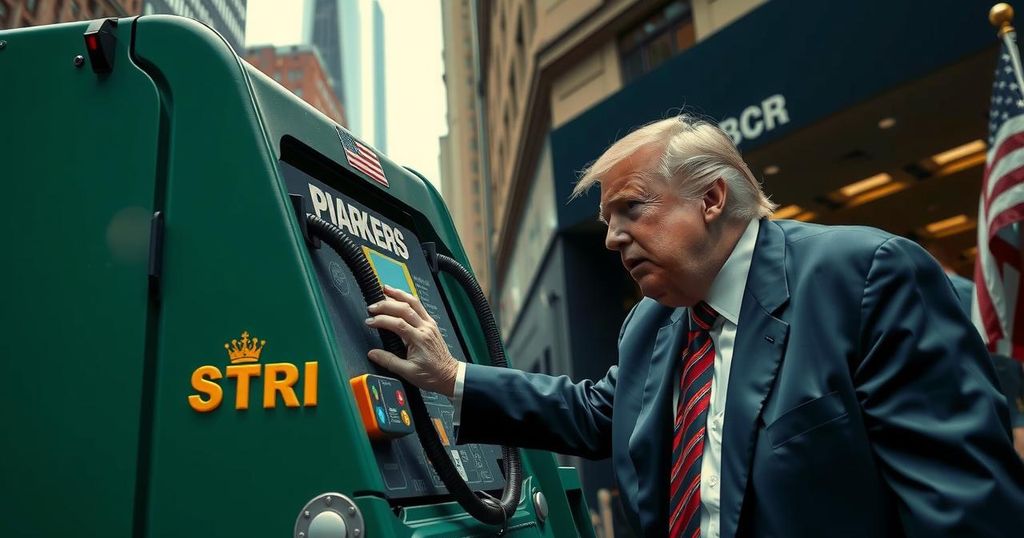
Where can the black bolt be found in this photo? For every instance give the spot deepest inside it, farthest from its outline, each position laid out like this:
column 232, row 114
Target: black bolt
column 79, row 60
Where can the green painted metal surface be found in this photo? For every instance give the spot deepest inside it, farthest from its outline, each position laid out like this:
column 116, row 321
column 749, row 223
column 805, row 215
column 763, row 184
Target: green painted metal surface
column 100, row 363
column 77, row 162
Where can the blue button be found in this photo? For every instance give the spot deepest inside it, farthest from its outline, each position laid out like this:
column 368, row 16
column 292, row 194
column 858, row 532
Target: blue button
column 381, row 417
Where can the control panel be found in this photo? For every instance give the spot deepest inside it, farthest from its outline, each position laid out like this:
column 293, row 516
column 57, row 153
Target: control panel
column 394, row 252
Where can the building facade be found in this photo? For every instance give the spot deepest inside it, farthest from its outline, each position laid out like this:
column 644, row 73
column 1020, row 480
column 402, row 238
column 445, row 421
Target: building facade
column 20, row 13
column 227, row 17
column 333, row 27
column 460, row 156
column 380, row 89
column 350, row 37
column 300, row 69
column 886, row 131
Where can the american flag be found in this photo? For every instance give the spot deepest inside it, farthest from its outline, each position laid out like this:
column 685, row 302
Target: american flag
column 997, row 271
column 362, row 157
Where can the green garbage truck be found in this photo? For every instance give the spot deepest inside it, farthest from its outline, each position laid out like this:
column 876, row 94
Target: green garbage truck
column 188, row 253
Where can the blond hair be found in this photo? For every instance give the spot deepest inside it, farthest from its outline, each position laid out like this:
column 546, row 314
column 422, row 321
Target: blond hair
column 696, row 153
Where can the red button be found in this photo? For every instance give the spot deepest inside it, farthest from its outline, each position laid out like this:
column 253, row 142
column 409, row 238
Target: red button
column 400, row 397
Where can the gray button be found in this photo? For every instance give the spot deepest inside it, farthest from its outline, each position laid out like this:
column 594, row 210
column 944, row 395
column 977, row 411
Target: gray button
column 328, row 524
column 713, row 481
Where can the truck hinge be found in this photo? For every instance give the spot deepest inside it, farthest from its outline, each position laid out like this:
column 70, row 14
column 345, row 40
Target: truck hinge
column 430, row 253
column 156, row 253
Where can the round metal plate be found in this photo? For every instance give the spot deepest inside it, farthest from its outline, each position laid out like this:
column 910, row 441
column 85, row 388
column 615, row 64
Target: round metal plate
column 330, row 515
column 540, row 505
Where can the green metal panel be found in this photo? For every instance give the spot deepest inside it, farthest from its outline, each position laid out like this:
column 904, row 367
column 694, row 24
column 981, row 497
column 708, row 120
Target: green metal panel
column 77, row 162
column 183, row 127
column 233, row 263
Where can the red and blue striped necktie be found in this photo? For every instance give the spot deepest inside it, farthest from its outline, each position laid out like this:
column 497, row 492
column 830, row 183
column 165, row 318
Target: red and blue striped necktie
column 698, row 361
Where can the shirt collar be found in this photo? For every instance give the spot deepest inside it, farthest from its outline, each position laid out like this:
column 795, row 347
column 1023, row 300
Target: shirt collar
column 726, row 294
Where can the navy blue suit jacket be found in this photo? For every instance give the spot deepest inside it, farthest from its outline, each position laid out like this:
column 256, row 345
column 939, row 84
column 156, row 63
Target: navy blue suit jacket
column 861, row 400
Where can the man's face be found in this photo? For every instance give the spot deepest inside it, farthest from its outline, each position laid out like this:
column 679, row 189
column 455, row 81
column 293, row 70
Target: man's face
column 662, row 238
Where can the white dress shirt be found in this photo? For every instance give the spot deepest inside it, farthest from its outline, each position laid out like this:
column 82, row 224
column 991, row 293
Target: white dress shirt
column 726, row 297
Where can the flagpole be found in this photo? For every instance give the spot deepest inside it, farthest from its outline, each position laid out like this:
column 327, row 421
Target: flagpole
column 1001, row 16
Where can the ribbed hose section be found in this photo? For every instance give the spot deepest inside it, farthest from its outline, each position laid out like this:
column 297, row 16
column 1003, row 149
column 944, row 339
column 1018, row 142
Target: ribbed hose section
column 513, row 466
column 484, row 510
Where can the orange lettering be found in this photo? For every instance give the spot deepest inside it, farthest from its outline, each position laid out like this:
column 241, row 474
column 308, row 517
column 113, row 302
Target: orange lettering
column 243, row 372
column 309, row 390
column 273, row 385
column 201, row 382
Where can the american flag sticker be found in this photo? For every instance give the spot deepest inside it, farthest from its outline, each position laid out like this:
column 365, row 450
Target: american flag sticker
column 361, row 157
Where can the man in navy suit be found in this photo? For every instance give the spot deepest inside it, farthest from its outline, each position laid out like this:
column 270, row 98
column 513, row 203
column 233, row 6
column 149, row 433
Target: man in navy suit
column 779, row 378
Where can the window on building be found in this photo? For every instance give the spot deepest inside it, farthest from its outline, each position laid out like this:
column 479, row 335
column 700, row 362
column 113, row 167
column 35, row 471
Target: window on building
column 295, row 75
column 498, row 165
column 520, row 64
column 298, row 92
column 543, row 363
column 512, row 90
column 3, row 14
column 76, row 10
column 667, row 32
column 30, row 6
column 277, row 76
column 94, row 7
column 531, row 18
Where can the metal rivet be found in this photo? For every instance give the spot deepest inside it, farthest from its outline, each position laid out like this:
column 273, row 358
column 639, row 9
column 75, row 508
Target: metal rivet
column 306, row 513
column 302, row 534
column 3, row 44
column 356, row 532
column 327, row 499
column 79, row 60
column 351, row 510
column 769, row 339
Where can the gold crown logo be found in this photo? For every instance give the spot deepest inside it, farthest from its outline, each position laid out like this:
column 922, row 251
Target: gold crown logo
column 245, row 350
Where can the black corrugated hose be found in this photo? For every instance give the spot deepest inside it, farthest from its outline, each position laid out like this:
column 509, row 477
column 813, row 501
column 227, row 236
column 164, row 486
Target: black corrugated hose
column 486, row 510
column 510, row 456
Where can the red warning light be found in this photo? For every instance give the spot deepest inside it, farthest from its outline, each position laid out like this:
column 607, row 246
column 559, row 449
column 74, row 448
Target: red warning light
column 101, row 43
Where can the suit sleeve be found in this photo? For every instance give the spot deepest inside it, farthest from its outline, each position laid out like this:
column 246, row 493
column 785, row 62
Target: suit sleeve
column 937, row 424
column 505, row 406
column 510, row 407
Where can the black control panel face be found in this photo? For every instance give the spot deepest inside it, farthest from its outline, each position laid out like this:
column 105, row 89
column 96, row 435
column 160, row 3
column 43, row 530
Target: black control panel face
column 396, row 256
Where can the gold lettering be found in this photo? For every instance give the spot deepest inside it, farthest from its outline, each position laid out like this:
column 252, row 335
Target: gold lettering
column 309, row 389
column 243, row 372
column 201, row 381
column 273, row 385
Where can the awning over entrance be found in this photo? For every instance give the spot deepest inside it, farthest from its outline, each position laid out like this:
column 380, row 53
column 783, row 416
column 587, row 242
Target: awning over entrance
column 782, row 67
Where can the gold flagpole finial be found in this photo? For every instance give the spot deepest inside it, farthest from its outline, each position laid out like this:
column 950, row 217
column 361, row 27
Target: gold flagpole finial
column 1001, row 16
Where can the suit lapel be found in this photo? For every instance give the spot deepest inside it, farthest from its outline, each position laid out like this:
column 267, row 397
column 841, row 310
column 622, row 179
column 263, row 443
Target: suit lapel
column 649, row 443
column 757, row 355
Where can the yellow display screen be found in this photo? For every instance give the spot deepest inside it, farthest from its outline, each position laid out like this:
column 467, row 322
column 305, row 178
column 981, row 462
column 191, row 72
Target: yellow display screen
column 390, row 272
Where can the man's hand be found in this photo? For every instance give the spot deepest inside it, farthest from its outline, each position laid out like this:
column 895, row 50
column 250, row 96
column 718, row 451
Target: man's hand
column 428, row 364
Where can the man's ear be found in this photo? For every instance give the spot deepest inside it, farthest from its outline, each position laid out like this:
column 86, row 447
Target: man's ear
column 714, row 200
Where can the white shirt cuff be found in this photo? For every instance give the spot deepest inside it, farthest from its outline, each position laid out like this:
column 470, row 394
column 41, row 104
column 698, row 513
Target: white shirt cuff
column 460, row 381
